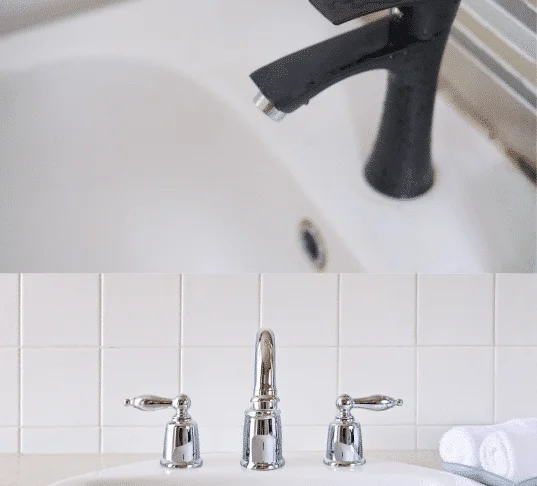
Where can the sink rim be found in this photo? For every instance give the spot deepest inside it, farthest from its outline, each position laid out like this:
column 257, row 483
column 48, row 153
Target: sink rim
column 221, row 468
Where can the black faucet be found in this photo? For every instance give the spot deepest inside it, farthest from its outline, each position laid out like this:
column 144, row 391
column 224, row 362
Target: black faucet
column 409, row 43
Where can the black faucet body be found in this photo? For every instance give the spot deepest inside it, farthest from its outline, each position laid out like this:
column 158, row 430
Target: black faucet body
column 409, row 43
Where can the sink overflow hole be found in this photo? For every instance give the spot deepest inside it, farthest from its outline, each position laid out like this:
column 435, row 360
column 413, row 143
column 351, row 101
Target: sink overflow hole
column 313, row 244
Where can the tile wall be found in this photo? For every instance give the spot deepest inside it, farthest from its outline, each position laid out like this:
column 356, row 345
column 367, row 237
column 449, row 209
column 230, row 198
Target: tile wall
column 457, row 348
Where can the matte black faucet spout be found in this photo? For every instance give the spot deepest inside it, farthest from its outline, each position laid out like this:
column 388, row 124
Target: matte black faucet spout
column 409, row 43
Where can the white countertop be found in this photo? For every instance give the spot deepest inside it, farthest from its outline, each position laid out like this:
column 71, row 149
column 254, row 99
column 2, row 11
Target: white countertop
column 42, row 470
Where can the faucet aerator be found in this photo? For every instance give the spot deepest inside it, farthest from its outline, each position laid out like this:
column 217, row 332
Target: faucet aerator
column 267, row 107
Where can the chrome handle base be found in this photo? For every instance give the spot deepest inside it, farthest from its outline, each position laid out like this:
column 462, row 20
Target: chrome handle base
column 181, row 439
column 344, row 446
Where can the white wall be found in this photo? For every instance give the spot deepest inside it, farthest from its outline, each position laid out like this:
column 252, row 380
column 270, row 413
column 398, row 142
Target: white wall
column 457, row 349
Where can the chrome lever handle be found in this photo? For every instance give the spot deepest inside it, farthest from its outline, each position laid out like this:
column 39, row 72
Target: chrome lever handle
column 181, row 440
column 151, row 403
column 377, row 403
column 148, row 403
column 344, row 444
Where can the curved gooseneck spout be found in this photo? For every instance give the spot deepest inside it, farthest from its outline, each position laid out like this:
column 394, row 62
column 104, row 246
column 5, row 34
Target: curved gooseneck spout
column 265, row 365
column 262, row 437
column 409, row 43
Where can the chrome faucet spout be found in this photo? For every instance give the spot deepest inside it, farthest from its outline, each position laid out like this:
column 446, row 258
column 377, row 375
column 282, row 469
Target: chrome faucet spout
column 262, row 437
column 265, row 364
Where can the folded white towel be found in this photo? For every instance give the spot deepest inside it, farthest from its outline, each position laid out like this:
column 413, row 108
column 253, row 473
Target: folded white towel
column 511, row 454
column 461, row 445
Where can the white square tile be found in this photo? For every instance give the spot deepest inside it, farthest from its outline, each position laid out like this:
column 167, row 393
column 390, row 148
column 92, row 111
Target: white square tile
column 455, row 309
column 128, row 373
column 455, row 385
column 380, row 371
column 9, row 386
column 304, row 438
column 140, row 310
column 388, row 438
column 516, row 309
column 60, row 309
column 133, row 440
column 9, row 440
column 60, row 387
column 302, row 373
column 9, row 309
column 301, row 308
column 377, row 310
column 429, row 436
column 220, row 310
column 220, row 439
column 66, row 440
column 516, row 382
column 227, row 373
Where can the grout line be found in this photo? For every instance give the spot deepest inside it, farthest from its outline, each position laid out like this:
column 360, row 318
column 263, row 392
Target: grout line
column 338, row 334
column 494, row 309
column 27, row 427
column 279, row 347
column 19, row 356
column 180, row 349
column 260, row 298
column 90, row 346
column 416, row 301
column 403, row 346
column 454, row 345
column 494, row 367
column 238, row 426
column 101, row 370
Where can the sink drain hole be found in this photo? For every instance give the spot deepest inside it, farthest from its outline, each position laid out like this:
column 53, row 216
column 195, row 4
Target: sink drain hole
column 313, row 244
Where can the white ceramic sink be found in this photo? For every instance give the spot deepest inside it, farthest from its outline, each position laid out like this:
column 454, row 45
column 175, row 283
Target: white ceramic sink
column 109, row 173
column 301, row 469
column 130, row 142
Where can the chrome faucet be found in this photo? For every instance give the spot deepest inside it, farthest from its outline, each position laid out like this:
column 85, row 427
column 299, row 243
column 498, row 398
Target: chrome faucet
column 344, row 445
column 409, row 43
column 262, row 436
column 181, row 440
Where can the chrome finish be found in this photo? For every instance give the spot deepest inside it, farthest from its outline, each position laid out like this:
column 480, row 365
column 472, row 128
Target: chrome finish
column 148, row 403
column 266, row 106
column 262, row 436
column 344, row 445
column 377, row 403
column 395, row 11
column 181, row 439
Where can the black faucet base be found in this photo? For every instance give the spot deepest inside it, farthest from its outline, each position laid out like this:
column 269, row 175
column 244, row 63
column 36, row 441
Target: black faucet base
column 378, row 180
column 400, row 164
column 409, row 44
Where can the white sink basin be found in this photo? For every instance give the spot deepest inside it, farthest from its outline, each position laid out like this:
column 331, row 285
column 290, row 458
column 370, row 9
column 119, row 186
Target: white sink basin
column 130, row 143
column 122, row 165
column 301, row 469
